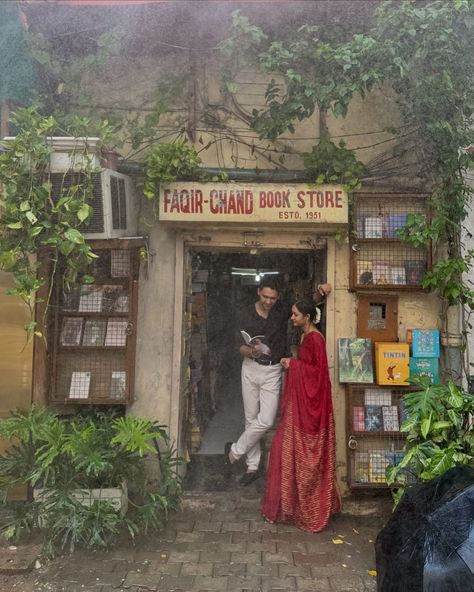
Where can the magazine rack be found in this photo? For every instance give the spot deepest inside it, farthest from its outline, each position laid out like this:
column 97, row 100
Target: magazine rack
column 380, row 259
column 92, row 331
column 374, row 441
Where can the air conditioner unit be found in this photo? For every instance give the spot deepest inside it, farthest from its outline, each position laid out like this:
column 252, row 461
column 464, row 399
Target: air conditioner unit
column 113, row 203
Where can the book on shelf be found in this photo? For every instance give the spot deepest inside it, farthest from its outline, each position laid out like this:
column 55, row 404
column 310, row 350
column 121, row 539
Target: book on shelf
column 373, row 418
column 118, row 384
column 403, row 410
column 360, row 226
column 355, row 359
column 375, row 396
column 392, row 363
column 361, row 467
column 70, row 299
column 415, row 271
column 94, row 332
column 395, row 223
column 80, row 383
column 358, row 418
column 390, row 418
column 114, row 299
column 365, row 276
column 119, row 263
column 116, row 334
column 71, row 331
column 425, row 367
column 373, row 227
column 381, row 272
column 379, row 461
column 90, row 299
column 397, row 275
column 425, row 343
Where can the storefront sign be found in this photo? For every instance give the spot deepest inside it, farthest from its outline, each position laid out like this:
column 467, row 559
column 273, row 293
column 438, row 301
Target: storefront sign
column 233, row 202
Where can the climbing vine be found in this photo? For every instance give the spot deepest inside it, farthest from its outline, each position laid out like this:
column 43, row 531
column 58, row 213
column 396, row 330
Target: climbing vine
column 36, row 222
column 424, row 51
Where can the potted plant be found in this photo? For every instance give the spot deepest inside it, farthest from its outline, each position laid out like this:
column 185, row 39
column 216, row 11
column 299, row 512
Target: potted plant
column 439, row 432
column 78, row 471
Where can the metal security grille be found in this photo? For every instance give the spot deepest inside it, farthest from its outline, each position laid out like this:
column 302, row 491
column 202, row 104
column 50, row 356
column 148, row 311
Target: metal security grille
column 374, row 417
column 380, row 258
column 62, row 182
column 92, row 333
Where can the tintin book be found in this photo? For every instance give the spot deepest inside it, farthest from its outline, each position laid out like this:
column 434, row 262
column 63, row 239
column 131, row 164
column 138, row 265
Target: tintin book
column 392, row 363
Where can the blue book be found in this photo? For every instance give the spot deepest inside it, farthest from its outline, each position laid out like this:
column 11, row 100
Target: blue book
column 395, row 223
column 425, row 367
column 425, row 343
column 373, row 418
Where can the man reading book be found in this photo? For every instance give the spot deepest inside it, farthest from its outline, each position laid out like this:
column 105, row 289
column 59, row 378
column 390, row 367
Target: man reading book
column 261, row 371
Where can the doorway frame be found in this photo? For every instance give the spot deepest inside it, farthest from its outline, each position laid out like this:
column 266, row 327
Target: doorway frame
column 236, row 240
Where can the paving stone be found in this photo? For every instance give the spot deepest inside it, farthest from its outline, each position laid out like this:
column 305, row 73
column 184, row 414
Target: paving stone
column 244, row 584
column 290, row 546
column 246, row 537
column 274, row 584
column 251, row 558
column 229, row 569
column 172, row 569
column 268, row 546
column 235, row 526
column 315, row 558
column 313, row 585
column 201, row 526
column 262, row 526
column 186, row 557
column 197, row 569
column 209, row 583
column 176, row 584
column 278, row 557
column 214, row 557
column 269, row 569
column 285, row 570
column 144, row 580
column 344, row 584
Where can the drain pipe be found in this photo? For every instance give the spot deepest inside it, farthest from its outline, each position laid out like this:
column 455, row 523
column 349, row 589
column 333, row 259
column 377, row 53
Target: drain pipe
column 134, row 168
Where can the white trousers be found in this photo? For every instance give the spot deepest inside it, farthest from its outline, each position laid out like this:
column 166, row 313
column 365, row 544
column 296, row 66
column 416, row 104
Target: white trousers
column 260, row 393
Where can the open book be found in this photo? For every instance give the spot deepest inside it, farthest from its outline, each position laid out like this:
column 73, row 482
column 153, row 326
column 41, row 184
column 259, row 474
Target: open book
column 261, row 349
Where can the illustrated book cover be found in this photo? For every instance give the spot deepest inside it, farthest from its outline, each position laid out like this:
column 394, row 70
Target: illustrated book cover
column 392, row 363
column 90, row 299
column 373, row 227
column 425, row 343
column 376, row 396
column 425, row 367
column 79, row 388
column 358, row 419
column 116, row 334
column 390, row 418
column 118, row 384
column 379, row 461
column 71, row 331
column 373, row 418
column 94, row 332
column 355, row 359
column 361, row 467
column 415, row 271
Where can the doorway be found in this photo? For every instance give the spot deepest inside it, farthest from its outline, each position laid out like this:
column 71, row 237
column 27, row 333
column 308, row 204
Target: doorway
column 222, row 282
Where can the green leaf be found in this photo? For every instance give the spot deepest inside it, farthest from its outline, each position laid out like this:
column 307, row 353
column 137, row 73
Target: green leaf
column 84, row 212
column 74, row 236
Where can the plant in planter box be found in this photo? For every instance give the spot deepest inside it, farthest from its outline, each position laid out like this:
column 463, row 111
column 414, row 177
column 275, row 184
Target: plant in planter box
column 74, row 464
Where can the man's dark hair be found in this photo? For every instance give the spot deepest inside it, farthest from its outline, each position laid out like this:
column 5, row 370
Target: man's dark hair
column 271, row 282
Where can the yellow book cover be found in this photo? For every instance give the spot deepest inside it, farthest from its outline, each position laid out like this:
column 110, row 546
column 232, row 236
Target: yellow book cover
column 392, row 363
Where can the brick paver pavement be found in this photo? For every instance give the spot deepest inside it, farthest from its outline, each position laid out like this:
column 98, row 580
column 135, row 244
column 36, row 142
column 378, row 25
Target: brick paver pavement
column 219, row 542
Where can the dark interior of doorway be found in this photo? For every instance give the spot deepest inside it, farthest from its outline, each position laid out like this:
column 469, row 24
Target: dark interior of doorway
column 222, row 282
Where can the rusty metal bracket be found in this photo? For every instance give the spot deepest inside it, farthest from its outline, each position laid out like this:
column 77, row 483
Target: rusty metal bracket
column 252, row 239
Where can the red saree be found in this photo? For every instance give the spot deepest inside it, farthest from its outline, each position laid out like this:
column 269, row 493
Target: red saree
column 300, row 486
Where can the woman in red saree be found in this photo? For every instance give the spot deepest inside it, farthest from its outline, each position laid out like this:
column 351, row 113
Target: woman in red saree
column 301, row 486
